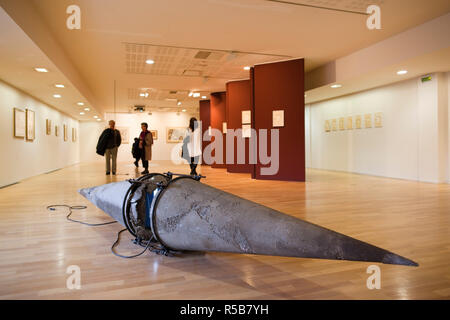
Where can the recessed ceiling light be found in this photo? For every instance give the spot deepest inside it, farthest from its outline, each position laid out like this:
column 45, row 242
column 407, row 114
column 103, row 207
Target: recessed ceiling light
column 401, row 72
column 203, row 97
column 179, row 103
column 196, row 95
column 59, row 85
column 184, row 110
column 95, row 117
column 99, row 119
column 149, row 61
column 190, row 94
column 334, row 86
column 247, row 68
column 142, row 94
column 80, row 103
column 56, row 96
column 87, row 109
column 41, row 69
column 81, row 112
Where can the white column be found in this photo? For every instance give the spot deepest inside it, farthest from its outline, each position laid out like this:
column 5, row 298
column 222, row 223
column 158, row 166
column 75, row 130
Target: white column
column 433, row 129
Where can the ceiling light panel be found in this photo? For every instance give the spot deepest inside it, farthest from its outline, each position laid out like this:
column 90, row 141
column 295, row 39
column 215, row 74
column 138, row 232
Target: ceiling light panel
column 189, row 62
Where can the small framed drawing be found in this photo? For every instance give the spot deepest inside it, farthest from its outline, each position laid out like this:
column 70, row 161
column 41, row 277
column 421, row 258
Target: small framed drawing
column 334, row 125
column 154, row 134
column 56, row 131
column 224, row 127
column 341, row 124
column 175, row 134
column 124, row 134
column 277, row 118
column 19, row 123
column 368, row 120
column 327, row 126
column 65, row 132
column 246, row 117
column 350, row 123
column 74, row 135
column 48, row 127
column 378, row 120
column 246, row 131
column 30, row 124
column 358, row 122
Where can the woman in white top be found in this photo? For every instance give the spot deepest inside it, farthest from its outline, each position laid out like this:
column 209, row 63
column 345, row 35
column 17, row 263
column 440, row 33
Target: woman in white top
column 193, row 144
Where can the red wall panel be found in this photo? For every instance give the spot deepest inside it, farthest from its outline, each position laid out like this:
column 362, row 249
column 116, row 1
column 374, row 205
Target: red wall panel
column 280, row 86
column 218, row 117
column 238, row 100
column 205, row 118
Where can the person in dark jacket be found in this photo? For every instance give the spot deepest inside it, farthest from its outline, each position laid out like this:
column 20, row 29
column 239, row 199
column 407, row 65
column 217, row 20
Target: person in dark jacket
column 108, row 145
column 136, row 152
column 145, row 146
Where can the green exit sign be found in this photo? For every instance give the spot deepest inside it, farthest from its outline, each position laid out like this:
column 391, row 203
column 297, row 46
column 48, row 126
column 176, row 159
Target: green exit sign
column 426, row 78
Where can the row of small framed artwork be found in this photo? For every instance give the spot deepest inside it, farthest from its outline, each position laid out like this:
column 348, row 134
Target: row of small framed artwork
column 48, row 130
column 24, row 126
column 348, row 123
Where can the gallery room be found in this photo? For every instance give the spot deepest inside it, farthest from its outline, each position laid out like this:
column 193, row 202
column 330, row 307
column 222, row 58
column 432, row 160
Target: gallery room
column 224, row 150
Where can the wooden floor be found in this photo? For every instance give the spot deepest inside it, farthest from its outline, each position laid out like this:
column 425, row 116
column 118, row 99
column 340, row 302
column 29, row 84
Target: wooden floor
column 409, row 218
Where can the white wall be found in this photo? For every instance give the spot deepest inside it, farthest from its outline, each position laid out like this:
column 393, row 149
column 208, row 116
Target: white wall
column 408, row 146
column 159, row 121
column 21, row 159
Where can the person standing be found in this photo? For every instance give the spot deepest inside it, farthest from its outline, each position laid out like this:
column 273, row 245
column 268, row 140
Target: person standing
column 145, row 145
column 193, row 145
column 136, row 152
column 108, row 145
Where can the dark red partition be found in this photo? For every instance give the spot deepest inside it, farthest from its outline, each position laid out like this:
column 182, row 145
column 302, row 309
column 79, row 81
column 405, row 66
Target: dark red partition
column 218, row 117
column 238, row 100
column 280, row 86
column 205, row 118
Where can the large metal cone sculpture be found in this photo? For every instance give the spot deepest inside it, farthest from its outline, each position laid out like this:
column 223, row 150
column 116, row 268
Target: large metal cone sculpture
column 189, row 215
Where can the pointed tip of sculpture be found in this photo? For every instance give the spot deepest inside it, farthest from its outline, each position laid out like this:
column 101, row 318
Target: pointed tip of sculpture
column 393, row 258
column 84, row 192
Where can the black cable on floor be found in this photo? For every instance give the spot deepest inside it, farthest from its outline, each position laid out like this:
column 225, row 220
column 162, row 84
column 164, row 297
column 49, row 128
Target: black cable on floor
column 54, row 206
column 127, row 257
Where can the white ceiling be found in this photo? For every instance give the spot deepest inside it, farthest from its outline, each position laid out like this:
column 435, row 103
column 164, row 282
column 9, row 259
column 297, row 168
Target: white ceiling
column 117, row 36
column 18, row 58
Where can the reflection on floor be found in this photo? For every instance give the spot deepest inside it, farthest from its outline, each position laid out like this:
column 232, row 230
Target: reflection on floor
column 408, row 218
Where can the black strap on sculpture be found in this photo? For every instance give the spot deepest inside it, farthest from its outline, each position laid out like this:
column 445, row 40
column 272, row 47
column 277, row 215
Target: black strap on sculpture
column 160, row 188
column 159, row 191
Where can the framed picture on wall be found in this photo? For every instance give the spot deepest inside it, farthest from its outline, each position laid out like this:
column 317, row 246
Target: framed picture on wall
column 368, row 120
column 334, row 124
column 349, row 123
column 277, row 118
column 65, row 132
column 30, row 125
column 175, row 134
column 124, row 134
column 358, row 122
column 327, row 126
column 56, row 131
column 48, row 127
column 341, row 124
column 154, row 134
column 19, row 123
column 246, row 131
column 246, row 117
column 378, row 119
column 74, row 135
